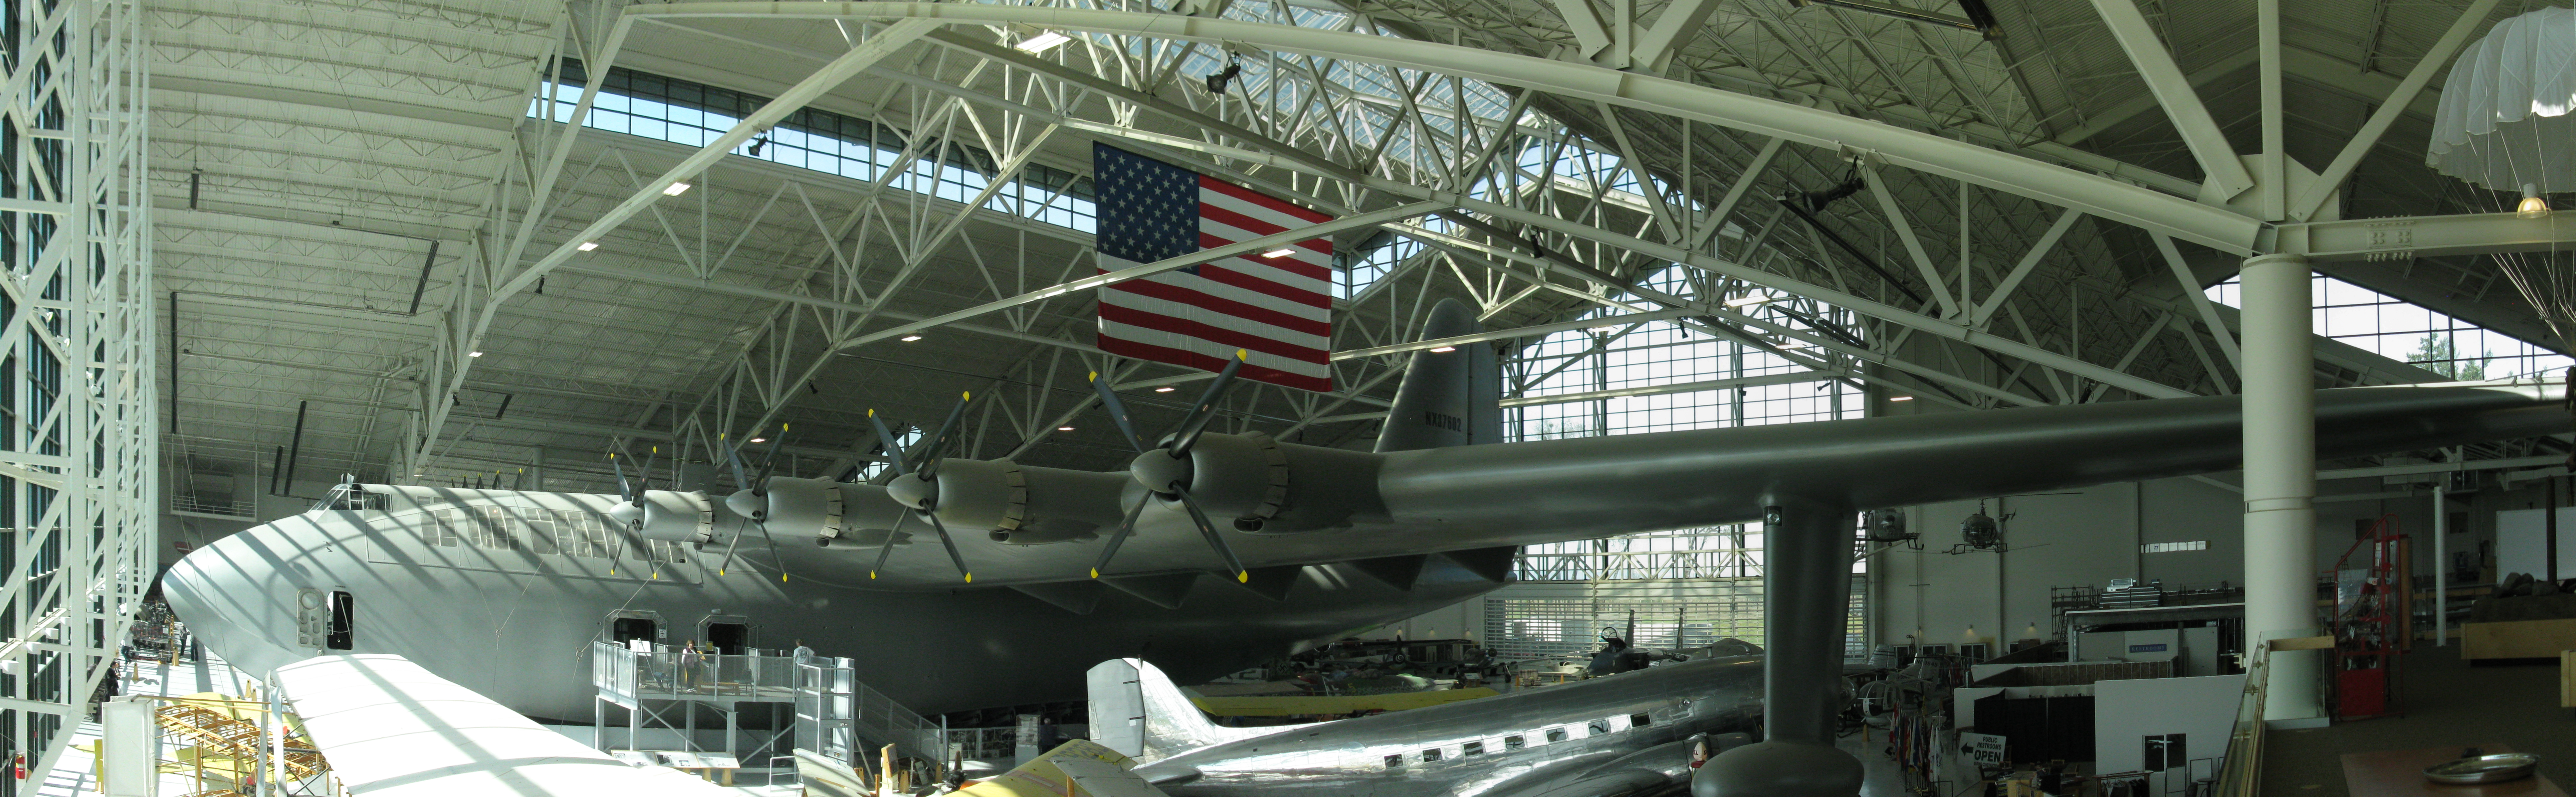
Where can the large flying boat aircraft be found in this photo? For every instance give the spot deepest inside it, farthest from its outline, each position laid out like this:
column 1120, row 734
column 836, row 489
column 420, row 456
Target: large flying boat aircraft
column 966, row 584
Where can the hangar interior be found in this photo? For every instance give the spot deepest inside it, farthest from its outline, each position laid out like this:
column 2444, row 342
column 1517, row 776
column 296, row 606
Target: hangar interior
column 478, row 249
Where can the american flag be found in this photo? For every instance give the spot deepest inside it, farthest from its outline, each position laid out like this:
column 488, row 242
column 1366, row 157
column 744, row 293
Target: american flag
column 1276, row 308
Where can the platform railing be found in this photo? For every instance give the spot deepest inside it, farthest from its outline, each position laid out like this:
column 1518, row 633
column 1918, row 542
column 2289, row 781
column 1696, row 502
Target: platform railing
column 663, row 672
column 2241, row 775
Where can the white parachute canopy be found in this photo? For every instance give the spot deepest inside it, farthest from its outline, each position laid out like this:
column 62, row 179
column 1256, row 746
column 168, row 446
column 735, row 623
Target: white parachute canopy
column 2504, row 120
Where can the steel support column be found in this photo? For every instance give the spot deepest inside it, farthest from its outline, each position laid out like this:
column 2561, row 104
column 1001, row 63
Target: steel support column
column 2281, row 478
column 1806, row 597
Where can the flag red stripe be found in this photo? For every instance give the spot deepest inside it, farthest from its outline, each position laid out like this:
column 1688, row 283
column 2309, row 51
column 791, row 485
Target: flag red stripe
column 1252, row 225
column 1212, row 333
column 1217, row 304
column 1213, row 272
column 1264, row 200
column 1183, row 357
column 1291, row 265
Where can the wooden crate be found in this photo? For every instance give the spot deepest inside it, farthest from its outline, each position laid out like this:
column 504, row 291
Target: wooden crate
column 2519, row 639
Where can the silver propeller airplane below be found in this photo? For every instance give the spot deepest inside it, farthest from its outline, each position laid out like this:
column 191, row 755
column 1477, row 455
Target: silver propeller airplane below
column 1625, row 734
column 501, row 591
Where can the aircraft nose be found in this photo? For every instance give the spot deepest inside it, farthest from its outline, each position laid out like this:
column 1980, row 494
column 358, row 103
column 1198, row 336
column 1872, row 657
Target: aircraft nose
column 236, row 597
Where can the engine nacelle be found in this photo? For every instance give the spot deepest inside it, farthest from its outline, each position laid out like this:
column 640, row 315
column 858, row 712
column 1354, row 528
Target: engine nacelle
column 868, row 515
column 802, row 507
column 1242, row 476
column 1027, row 505
column 669, row 516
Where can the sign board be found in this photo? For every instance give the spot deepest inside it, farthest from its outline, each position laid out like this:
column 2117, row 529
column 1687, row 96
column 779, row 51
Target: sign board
column 1984, row 748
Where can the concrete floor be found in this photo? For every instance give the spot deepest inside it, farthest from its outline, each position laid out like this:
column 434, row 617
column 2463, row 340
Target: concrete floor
column 2447, row 703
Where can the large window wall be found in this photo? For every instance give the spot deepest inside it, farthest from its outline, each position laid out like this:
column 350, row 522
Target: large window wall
column 1654, row 377
column 2392, row 328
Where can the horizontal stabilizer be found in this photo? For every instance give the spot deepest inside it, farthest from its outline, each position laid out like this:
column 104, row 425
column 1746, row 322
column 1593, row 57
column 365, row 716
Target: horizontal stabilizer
column 1165, row 590
column 1078, row 597
column 1397, row 571
column 1273, row 582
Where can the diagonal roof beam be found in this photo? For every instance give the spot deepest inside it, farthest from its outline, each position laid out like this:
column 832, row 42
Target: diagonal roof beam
column 2111, row 199
column 2434, row 60
column 2208, row 144
column 876, row 48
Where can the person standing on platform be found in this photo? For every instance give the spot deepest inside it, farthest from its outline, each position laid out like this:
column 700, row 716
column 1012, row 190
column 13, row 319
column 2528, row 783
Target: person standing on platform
column 689, row 666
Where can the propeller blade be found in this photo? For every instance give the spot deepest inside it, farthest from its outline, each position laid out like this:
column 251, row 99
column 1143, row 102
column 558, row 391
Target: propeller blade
column 772, row 465
column 624, row 493
column 1224, row 551
column 887, row 550
column 727, row 564
column 1120, row 538
column 950, row 543
column 733, row 453
column 1187, row 434
column 893, row 451
column 1117, row 412
column 948, row 428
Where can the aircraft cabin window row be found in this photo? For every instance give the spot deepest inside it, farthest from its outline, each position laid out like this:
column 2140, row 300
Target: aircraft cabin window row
column 1599, row 727
column 540, row 531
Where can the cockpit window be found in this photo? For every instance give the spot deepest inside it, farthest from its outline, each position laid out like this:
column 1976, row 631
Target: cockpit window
column 1639, row 720
column 1598, row 727
column 1556, row 734
column 1512, row 743
column 1430, row 755
column 1474, row 748
column 1394, row 761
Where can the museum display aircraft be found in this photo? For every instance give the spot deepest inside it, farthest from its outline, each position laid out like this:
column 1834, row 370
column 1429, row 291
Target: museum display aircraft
column 1631, row 733
column 973, row 583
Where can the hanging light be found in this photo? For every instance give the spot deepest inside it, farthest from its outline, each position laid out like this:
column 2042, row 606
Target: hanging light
column 1044, row 41
column 2533, row 206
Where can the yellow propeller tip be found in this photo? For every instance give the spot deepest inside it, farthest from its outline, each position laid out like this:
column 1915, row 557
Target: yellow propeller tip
column 1095, row 376
column 782, row 578
column 1242, row 354
column 872, row 575
column 970, row 578
column 1242, row 578
column 1095, row 572
column 965, row 396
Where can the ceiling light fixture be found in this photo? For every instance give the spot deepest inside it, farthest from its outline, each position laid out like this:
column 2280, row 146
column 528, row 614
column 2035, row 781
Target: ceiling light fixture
column 1279, row 253
column 675, row 189
column 911, row 338
column 2533, row 205
column 587, row 246
column 473, row 354
column 1044, row 41
column 1165, row 389
column 1900, row 398
column 760, row 439
column 1444, row 349
column 1064, row 428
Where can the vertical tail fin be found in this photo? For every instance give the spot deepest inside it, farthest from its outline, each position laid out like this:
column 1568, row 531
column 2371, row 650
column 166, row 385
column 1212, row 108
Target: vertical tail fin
column 1136, row 711
column 1448, row 398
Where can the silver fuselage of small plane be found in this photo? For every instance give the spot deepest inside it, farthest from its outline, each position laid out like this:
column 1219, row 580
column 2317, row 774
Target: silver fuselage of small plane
column 1619, row 734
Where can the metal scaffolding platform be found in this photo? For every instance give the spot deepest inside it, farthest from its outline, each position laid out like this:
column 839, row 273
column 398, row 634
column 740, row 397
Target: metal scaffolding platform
column 663, row 687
